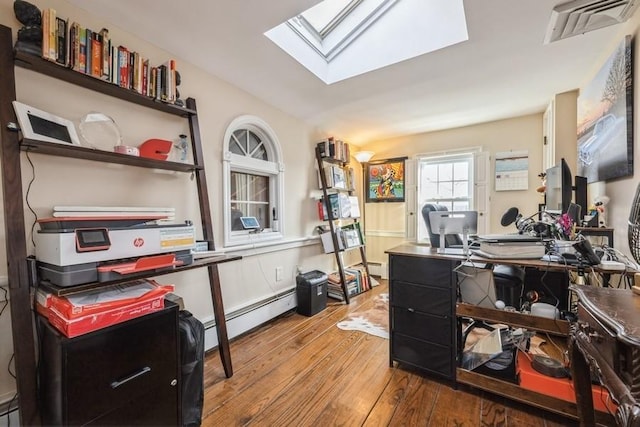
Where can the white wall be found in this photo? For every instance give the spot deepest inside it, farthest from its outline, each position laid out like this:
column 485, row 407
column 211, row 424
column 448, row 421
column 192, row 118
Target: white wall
column 75, row 182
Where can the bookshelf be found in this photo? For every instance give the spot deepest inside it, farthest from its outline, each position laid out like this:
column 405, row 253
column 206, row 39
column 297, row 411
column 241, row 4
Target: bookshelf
column 19, row 273
column 344, row 233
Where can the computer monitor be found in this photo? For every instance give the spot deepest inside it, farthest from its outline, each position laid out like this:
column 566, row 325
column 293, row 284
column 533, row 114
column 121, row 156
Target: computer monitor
column 454, row 222
column 559, row 193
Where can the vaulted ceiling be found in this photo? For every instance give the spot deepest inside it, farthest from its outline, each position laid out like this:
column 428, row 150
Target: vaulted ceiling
column 504, row 69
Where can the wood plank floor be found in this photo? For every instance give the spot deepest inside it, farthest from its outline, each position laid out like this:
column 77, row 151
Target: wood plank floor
column 304, row 371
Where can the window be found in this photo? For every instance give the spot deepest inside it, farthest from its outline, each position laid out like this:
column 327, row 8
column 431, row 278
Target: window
column 446, row 180
column 253, row 181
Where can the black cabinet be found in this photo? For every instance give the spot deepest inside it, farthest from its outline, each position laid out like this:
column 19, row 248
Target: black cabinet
column 422, row 313
column 125, row 374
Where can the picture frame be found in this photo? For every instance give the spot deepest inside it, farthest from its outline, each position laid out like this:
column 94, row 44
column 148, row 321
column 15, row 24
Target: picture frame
column 605, row 119
column 385, row 180
column 40, row 125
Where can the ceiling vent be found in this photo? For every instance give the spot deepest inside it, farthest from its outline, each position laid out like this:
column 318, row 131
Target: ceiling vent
column 580, row 16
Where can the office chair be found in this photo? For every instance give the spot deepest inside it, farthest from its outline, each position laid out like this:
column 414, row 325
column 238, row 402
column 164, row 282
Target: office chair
column 451, row 240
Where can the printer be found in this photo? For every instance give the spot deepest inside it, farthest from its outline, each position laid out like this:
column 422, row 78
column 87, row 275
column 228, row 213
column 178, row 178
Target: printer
column 72, row 251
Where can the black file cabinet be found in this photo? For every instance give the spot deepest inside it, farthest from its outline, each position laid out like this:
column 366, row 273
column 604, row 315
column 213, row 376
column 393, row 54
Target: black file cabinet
column 422, row 314
column 125, row 374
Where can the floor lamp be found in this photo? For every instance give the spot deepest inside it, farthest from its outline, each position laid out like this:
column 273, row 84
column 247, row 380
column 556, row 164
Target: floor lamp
column 363, row 157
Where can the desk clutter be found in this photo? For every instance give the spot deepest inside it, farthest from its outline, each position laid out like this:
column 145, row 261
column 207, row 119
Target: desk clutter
column 524, row 358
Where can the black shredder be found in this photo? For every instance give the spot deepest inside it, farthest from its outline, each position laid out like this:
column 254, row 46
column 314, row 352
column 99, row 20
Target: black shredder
column 311, row 290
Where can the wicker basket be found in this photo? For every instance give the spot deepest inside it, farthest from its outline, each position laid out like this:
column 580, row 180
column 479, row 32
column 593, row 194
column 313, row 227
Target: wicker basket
column 634, row 226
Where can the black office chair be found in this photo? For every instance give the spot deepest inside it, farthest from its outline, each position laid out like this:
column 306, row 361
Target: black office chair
column 450, row 240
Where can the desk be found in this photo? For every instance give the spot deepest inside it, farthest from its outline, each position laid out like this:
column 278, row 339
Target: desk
column 607, row 339
column 425, row 321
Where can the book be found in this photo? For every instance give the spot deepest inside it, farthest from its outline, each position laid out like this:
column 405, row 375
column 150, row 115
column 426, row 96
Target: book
column 82, row 63
column 61, row 41
column 105, row 71
column 96, row 55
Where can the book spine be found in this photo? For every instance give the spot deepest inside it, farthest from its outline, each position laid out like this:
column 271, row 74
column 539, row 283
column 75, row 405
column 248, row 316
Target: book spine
column 53, row 42
column 61, row 41
column 82, row 57
column 89, row 55
column 114, row 73
column 145, row 77
column 45, row 33
column 131, row 69
column 106, row 54
column 96, row 55
column 123, row 61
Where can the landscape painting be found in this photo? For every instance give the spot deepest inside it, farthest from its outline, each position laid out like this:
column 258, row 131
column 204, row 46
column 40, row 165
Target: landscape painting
column 605, row 119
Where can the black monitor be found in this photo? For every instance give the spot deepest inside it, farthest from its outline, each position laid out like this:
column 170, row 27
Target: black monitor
column 560, row 190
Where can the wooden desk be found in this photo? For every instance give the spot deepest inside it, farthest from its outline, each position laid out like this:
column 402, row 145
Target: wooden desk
column 425, row 322
column 606, row 338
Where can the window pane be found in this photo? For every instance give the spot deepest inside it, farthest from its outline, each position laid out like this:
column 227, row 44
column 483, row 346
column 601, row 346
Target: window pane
column 461, row 171
column 247, row 187
column 238, row 142
column 429, row 191
column 445, row 172
column 461, row 189
column 445, row 190
column 461, row 206
column 249, row 197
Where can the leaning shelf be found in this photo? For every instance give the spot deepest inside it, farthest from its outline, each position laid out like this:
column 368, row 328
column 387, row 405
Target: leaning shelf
column 204, row 262
column 85, row 153
column 39, row 65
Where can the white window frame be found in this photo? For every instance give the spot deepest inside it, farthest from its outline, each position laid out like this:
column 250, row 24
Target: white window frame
column 274, row 169
column 422, row 236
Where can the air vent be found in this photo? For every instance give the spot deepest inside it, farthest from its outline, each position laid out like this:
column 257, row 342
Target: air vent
column 580, row 16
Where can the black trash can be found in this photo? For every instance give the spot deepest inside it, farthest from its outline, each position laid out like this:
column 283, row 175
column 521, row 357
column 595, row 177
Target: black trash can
column 311, row 290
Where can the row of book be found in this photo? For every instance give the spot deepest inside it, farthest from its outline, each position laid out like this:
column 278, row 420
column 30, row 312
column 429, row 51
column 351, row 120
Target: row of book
column 342, row 206
column 95, row 54
column 334, row 149
column 357, row 282
column 348, row 236
column 339, row 178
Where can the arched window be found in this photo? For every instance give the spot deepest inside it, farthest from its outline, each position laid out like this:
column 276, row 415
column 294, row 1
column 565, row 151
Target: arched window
column 253, row 182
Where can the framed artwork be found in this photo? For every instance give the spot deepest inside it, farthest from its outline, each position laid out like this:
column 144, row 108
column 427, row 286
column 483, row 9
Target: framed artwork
column 605, row 119
column 384, row 180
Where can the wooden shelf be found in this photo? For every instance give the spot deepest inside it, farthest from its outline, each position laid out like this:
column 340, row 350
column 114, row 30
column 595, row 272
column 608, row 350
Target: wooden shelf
column 203, row 262
column 515, row 392
column 51, row 69
column 84, row 153
column 551, row 326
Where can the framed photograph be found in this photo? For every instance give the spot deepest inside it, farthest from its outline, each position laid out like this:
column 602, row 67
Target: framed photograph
column 605, row 119
column 384, row 180
column 42, row 126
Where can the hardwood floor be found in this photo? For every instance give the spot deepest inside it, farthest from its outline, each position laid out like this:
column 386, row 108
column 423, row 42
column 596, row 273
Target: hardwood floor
column 304, row 371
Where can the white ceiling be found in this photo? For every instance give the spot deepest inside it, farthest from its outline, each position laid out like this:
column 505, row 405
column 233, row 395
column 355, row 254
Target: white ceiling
column 502, row 71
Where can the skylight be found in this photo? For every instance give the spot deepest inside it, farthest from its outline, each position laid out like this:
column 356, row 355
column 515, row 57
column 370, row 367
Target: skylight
column 338, row 39
column 324, row 16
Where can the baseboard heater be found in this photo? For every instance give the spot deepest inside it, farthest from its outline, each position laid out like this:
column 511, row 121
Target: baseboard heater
column 380, row 269
column 247, row 318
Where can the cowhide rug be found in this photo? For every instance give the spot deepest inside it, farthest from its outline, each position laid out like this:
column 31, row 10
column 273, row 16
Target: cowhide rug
column 374, row 321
